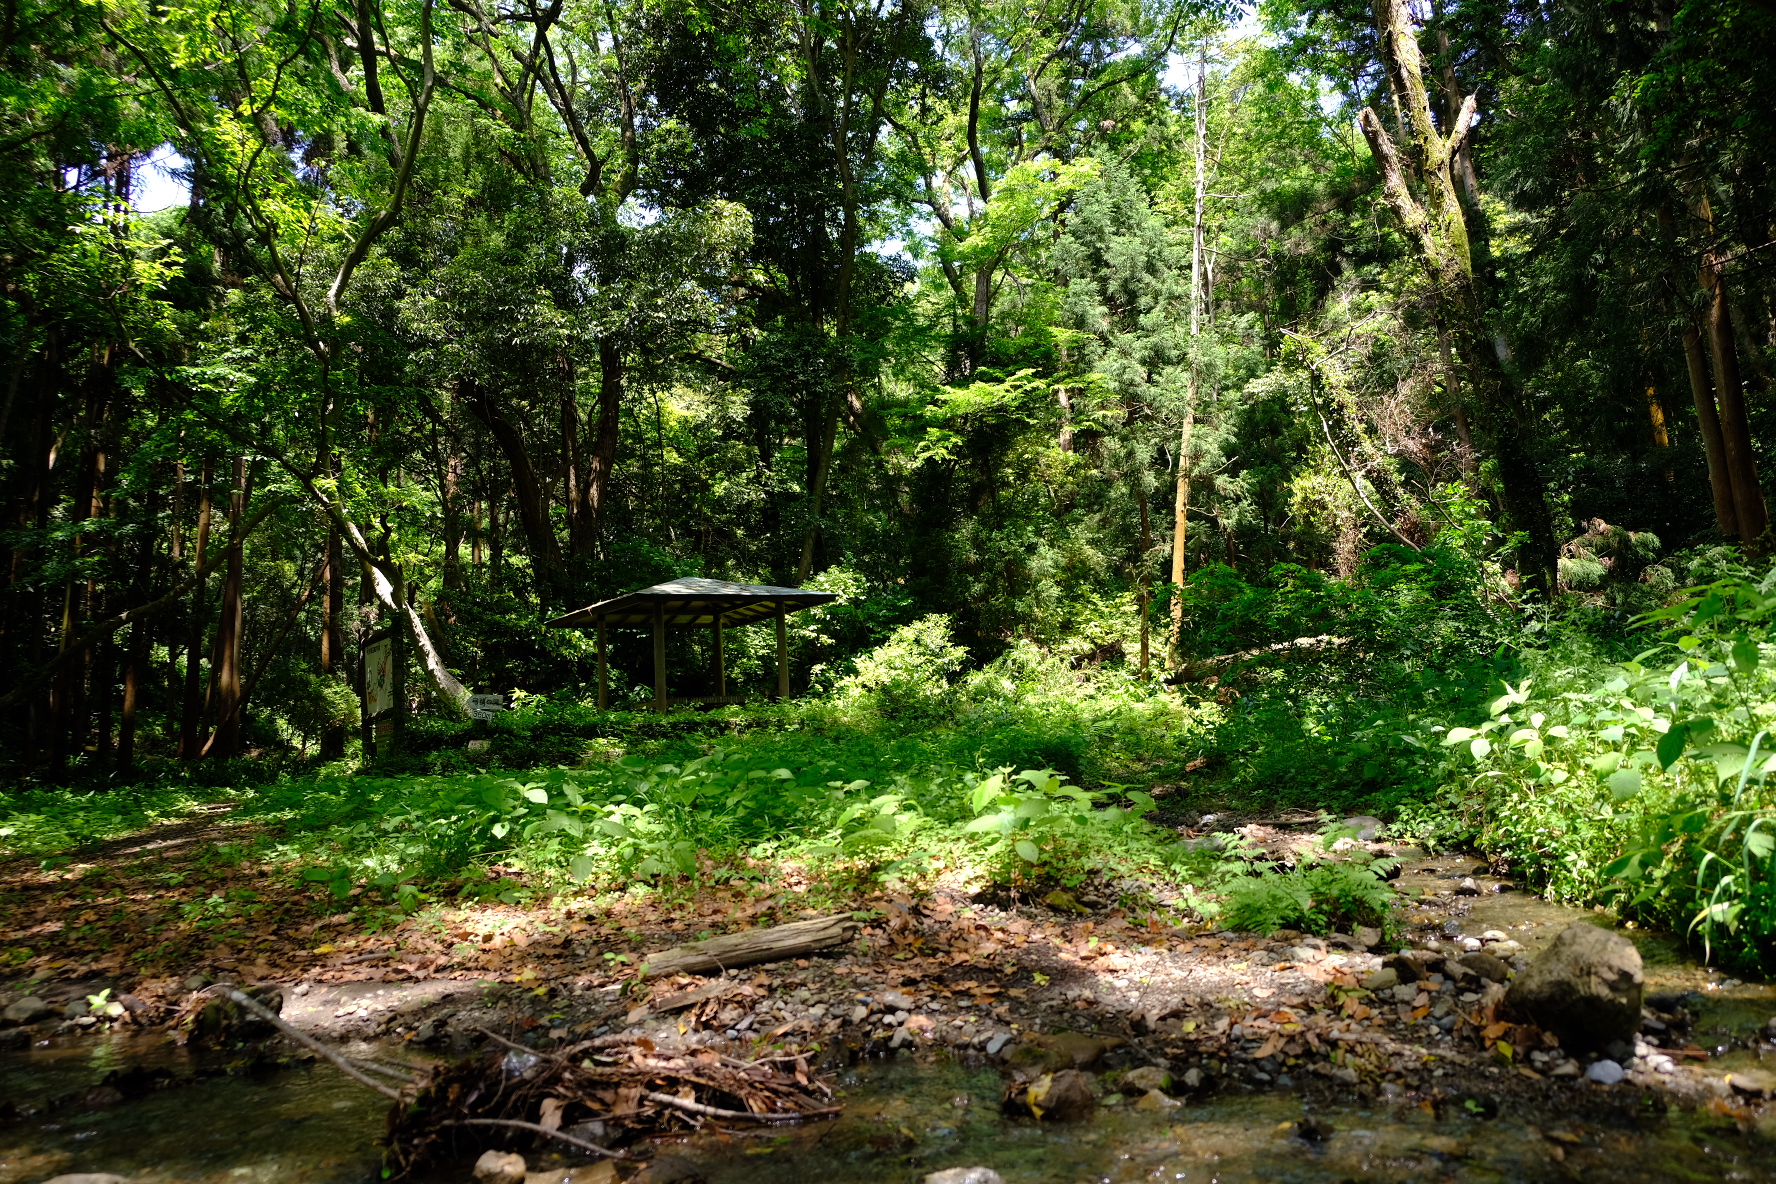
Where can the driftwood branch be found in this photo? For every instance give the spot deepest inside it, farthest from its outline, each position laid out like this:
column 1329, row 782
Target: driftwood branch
column 753, row 946
column 541, row 1130
column 303, row 1038
column 690, row 1107
column 1222, row 663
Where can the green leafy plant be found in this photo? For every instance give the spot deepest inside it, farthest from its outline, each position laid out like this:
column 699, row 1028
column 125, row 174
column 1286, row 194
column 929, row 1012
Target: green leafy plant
column 1036, row 822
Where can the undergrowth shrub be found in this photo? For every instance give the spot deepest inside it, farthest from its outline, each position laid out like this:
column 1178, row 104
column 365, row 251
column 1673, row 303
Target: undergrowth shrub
column 1646, row 785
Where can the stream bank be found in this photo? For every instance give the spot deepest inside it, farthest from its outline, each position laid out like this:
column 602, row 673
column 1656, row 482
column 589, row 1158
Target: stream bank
column 1283, row 1063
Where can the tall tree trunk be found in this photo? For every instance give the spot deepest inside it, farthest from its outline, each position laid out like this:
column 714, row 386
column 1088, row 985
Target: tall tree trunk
column 604, row 433
column 533, row 503
column 1143, row 584
column 190, row 718
column 1437, row 225
column 1729, row 391
column 227, row 740
column 1720, row 483
column 1181, row 495
column 333, row 652
column 453, row 517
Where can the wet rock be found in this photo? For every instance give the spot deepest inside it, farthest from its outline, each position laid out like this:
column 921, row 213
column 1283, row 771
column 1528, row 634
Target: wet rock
column 88, row 1178
column 1407, row 969
column 222, row 1019
column 1467, row 887
column 1062, row 1097
column 897, row 1001
column 28, row 1010
column 1770, row 1029
column 12, row 1040
column 1155, row 1099
column 669, row 1169
column 1145, row 1078
column 1193, row 1078
column 964, row 1176
column 1384, row 979
column 1366, row 826
column 997, row 1043
column 1605, row 1072
column 76, row 1009
column 1367, row 936
column 1487, row 966
column 1315, row 1130
column 501, row 1167
column 1063, row 902
column 1060, row 1050
column 1757, row 1083
column 197, row 982
column 1585, row 988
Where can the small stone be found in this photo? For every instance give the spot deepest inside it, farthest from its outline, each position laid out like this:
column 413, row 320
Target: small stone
column 1193, row 1078
column 1408, row 969
column 1367, row 936
column 28, row 1010
column 1495, row 935
column 1405, row 992
column 197, row 982
column 76, row 1008
column 1470, row 944
column 1566, row 1068
column 964, row 1176
column 1382, row 980
column 1467, row 887
column 1147, row 1077
column 300, row 990
column 1605, row 1072
column 1367, row 826
column 901, row 1036
column 1155, row 1099
column 1487, row 966
column 1755, row 1082
column 1315, row 1130
column 1452, row 928
column 859, row 1013
column 997, row 1043
column 88, row 1178
column 1345, row 1074
column 500, row 1167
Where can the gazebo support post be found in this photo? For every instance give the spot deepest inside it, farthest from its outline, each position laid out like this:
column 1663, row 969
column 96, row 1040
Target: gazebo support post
column 604, row 690
column 721, row 666
column 782, row 656
column 660, row 658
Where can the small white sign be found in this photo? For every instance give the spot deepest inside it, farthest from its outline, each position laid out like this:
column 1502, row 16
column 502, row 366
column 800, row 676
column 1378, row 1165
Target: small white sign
column 379, row 678
column 486, row 707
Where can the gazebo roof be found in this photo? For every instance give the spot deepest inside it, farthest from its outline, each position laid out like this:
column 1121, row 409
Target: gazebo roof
column 693, row 600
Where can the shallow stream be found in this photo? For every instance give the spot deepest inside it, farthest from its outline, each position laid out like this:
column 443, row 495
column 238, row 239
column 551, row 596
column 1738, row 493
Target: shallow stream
column 309, row 1125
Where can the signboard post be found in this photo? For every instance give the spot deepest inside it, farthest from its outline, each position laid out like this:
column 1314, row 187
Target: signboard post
column 383, row 692
column 485, row 707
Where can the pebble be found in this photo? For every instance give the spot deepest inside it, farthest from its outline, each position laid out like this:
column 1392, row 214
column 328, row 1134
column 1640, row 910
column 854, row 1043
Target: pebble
column 28, row 1010
column 964, row 1176
column 859, row 1013
column 1381, row 980
column 1467, row 887
column 1193, row 1078
column 1605, row 1072
column 997, row 1043
column 299, row 990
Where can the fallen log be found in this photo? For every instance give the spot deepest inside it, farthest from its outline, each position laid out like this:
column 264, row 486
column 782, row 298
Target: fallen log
column 753, row 946
column 1220, row 664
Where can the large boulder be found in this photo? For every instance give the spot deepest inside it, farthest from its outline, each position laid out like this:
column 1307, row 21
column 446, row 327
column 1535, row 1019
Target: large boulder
column 1585, row 988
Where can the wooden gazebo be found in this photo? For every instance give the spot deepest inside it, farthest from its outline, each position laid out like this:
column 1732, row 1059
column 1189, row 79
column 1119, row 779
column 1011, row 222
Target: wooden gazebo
column 692, row 603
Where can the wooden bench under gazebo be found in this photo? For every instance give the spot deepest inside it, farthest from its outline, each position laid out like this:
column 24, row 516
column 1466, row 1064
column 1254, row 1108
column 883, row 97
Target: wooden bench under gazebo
column 692, row 603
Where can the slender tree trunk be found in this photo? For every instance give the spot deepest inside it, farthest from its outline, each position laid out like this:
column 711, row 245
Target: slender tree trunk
column 533, row 503
column 604, row 434
column 1143, row 585
column 1720, row 483
column 453, row 518
column 190, row 719
column 227, row 740
column 1181, row 496
column 1748, row 494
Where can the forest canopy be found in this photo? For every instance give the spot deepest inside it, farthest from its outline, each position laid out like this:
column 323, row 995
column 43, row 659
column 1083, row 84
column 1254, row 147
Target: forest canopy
column 1081, row 325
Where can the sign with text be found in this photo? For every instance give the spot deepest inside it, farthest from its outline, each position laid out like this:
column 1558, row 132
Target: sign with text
column 379, row 677
column 485, row 707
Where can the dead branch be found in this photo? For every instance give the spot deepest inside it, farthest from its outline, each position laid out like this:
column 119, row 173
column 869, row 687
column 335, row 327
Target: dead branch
column 539, row 1129
column 690, row 1107
column 307, row 1041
